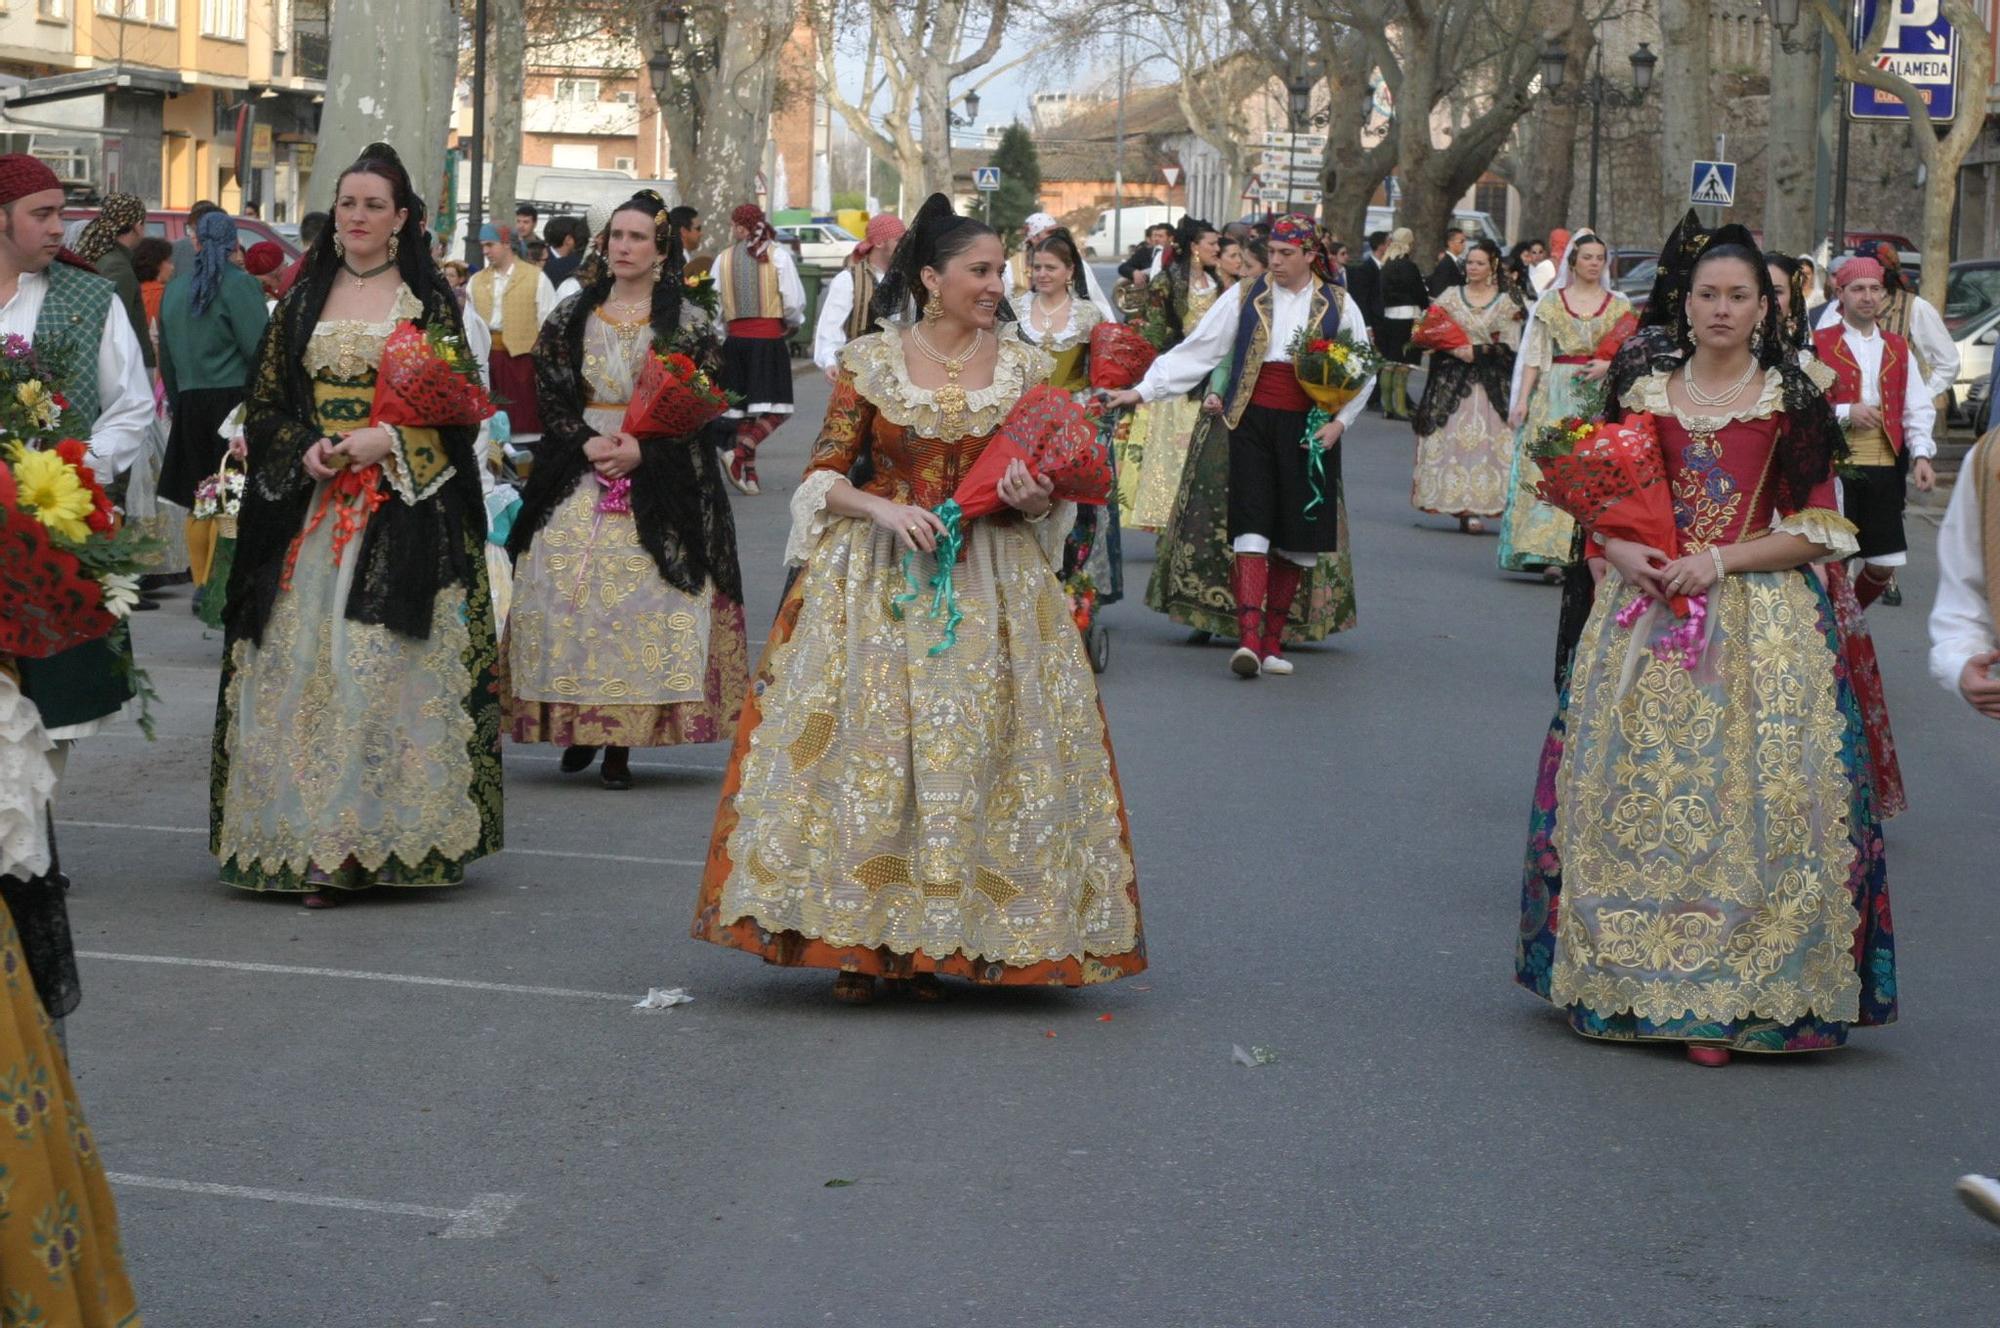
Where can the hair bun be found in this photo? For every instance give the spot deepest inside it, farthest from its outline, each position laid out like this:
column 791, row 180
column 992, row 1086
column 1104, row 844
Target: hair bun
column 936, row 208
column 380, row 152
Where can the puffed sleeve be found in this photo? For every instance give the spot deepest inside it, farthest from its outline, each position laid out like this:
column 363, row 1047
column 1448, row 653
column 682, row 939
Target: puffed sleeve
column 842, row 436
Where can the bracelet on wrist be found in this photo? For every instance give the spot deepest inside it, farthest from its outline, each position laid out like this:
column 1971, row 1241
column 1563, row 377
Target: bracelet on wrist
column 1716, row 553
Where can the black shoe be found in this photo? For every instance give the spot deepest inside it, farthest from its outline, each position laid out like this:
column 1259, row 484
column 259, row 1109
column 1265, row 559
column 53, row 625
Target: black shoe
column 146, row 604
column 616, row 773
column 1200, row 638
column 576, row 760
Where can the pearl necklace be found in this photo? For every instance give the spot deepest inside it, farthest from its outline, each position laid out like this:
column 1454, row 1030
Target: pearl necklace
column 1728, row 394
column 1047, row 325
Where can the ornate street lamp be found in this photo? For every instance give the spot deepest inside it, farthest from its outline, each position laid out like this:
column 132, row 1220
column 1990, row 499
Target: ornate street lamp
column 1597, row 92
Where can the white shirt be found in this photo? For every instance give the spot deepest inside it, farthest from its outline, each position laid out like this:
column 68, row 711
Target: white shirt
column 1919, row 415
column 545, row 304
column 1928, row 337
column 1214, row 337
column 1961, row 621
column 125, row 397
column 830, row 333
column 571, row 286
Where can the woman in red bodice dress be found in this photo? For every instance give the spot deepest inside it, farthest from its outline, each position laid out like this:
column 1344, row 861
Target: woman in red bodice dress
column 1715, row 873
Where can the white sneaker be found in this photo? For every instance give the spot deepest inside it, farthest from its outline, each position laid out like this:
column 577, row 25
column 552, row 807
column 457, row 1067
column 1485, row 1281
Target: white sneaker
column 1982, row 1195
column 1244, row 662
column 1277, row 664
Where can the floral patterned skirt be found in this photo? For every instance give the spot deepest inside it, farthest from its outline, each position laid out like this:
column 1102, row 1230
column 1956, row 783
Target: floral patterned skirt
column 1192, row 559
column 60, row 1261
column 1532, row 533
column 1170, row 426
column 338, row 742
column 890, row 811
column 1704, row 862
column 1857, row 647
column 1462, row 466
column 602, row 651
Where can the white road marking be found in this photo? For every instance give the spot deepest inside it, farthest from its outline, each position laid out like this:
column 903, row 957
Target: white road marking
column 410, row 979
column 484, row 1216
column 518, row 852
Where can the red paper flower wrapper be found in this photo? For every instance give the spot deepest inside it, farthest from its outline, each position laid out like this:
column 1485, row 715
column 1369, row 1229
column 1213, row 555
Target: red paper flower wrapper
column 1055, row 438
column 417, row 388
column 672, row 399
column 1438, row 330
column 1119, row 356
column 1621, row 332
column 48, row 603
column 1614, row 482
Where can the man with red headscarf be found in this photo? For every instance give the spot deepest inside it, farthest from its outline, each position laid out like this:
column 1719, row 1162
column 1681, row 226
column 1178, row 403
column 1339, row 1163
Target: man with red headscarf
column 762, row 301
column 1273, row 531
column 1880, row 397
column 843, row 312
column 50, row 297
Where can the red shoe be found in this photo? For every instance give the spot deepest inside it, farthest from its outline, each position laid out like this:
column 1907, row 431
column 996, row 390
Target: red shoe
column 1712, row 1057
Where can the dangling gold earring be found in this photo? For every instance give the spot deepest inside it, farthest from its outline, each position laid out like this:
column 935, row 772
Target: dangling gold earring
column 934, row 309
column 395, row 243
column 339, row 247
column 659, row 269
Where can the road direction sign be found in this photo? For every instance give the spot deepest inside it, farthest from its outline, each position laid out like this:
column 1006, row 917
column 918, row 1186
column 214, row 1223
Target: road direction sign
column 1712, row 184
column 986, row 177
column 1921, row 49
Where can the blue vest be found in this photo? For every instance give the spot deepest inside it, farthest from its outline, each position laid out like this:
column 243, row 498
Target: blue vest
column 1253, row 338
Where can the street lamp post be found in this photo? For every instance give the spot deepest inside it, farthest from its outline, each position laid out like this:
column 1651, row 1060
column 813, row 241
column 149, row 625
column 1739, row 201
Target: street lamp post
column 669, row 23
column 1597, row 92
column 967, row 121
column 1298, row 101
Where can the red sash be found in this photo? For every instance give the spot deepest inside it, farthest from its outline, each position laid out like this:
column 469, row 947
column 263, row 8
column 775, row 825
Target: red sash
column 1277, row 388
column 757, row 329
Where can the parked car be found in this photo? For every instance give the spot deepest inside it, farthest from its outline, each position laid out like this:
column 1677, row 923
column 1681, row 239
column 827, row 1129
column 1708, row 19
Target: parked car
column 1976, row 336
column 172, row 225
column 825, row 243
column 1972, row 288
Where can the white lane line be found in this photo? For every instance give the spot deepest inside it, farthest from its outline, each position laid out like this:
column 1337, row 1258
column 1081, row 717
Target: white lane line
column 484, row 1216
column 518, row 852
column 362, row 975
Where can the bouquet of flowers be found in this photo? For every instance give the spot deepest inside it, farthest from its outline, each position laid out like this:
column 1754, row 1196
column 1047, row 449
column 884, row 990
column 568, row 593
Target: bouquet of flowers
column 31, row 406
column 212, row 534
column 1119, row 356
column 673, row 398
column 1333, row 369
column 428, row 379
column 1613, row 480
column 699, row 290
column 1438, row 331
column 1055, row 439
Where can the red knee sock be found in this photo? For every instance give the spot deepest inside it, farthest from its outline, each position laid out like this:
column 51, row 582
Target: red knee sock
column 755, row 429
column 1872, row 584
column 1250, row 577
column 1284, row 588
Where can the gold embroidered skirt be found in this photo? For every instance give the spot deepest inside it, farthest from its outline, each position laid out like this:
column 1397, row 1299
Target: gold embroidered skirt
column 1707, row 822
column 888, row 811
column 602, row 651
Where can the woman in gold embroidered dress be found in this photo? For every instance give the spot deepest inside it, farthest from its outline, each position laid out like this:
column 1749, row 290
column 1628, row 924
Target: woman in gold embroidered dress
column 888, row 811
column 357, row 736
column 1557, row 375
column 1464, row 443
column 1163, row 430
column 1717, row 875
column 627, row 626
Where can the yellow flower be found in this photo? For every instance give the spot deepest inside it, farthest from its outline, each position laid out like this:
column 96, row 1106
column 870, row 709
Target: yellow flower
column 49, row 486
column 35, row 399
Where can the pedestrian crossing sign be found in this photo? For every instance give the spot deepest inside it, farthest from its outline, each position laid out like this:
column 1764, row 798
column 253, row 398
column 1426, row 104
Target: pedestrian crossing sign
column 986, row 177
column 1713, row 184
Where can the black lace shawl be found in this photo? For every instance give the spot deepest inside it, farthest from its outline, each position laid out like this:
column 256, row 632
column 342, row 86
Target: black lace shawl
column 678, row 501
column 409, row 551
column 41, row 919
column 1452, row 380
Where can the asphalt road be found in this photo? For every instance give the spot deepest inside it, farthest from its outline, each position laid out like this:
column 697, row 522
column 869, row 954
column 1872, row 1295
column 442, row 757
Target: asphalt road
column 1329, row 866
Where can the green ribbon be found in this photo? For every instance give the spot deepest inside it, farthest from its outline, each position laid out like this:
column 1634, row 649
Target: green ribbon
column 1316, row 461
column 944, row 592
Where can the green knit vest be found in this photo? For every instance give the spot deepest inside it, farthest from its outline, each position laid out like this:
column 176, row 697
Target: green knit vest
column 70, row 327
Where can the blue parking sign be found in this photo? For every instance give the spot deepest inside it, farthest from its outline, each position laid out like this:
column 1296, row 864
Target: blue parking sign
column 1921, row 49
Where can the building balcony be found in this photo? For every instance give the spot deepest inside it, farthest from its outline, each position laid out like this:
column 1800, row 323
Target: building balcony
column 596, row 119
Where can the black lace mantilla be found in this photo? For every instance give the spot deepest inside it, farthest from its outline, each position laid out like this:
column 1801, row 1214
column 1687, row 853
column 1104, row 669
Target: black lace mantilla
column 40, row 911
column 408, row 552
column 678, row 500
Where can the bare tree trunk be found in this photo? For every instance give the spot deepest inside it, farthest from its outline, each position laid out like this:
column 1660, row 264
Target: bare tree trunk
column 1687, row 115
column 507, row 89
column 390, row 79
column 1791, row 150
column 718, row 118
column 1349, row 170
column 1548, row 185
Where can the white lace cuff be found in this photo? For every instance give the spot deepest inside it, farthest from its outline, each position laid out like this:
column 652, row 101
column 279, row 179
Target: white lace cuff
column 27, row 781
column 1822, row 526
column 809, row 515
column 1052, row 530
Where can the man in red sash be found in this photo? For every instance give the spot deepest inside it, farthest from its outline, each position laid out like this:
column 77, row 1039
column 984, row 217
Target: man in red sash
column 1274, row 532
column 1888, row 426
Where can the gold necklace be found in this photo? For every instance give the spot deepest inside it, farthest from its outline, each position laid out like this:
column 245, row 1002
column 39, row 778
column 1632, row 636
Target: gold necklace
column 950, row 398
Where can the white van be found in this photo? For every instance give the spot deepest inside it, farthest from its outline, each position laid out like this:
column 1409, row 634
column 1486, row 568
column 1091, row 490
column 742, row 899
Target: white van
column 1101, row 241
column 1474, row 224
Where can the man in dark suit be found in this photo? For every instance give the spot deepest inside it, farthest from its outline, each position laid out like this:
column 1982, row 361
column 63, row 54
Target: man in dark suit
column 1450, row 270
column 1364, row 284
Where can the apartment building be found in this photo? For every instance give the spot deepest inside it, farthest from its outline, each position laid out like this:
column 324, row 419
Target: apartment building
column 172, row 100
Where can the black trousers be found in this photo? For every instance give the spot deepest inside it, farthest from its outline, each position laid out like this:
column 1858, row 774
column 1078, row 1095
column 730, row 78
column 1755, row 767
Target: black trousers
column 1270, row 483
column 1872, row 498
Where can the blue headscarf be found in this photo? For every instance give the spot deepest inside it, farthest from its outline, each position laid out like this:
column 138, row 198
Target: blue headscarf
column 216, row 233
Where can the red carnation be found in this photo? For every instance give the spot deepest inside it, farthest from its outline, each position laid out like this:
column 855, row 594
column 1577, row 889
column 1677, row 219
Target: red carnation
column 71, row 451
column 681, row 365
column 62, row 402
